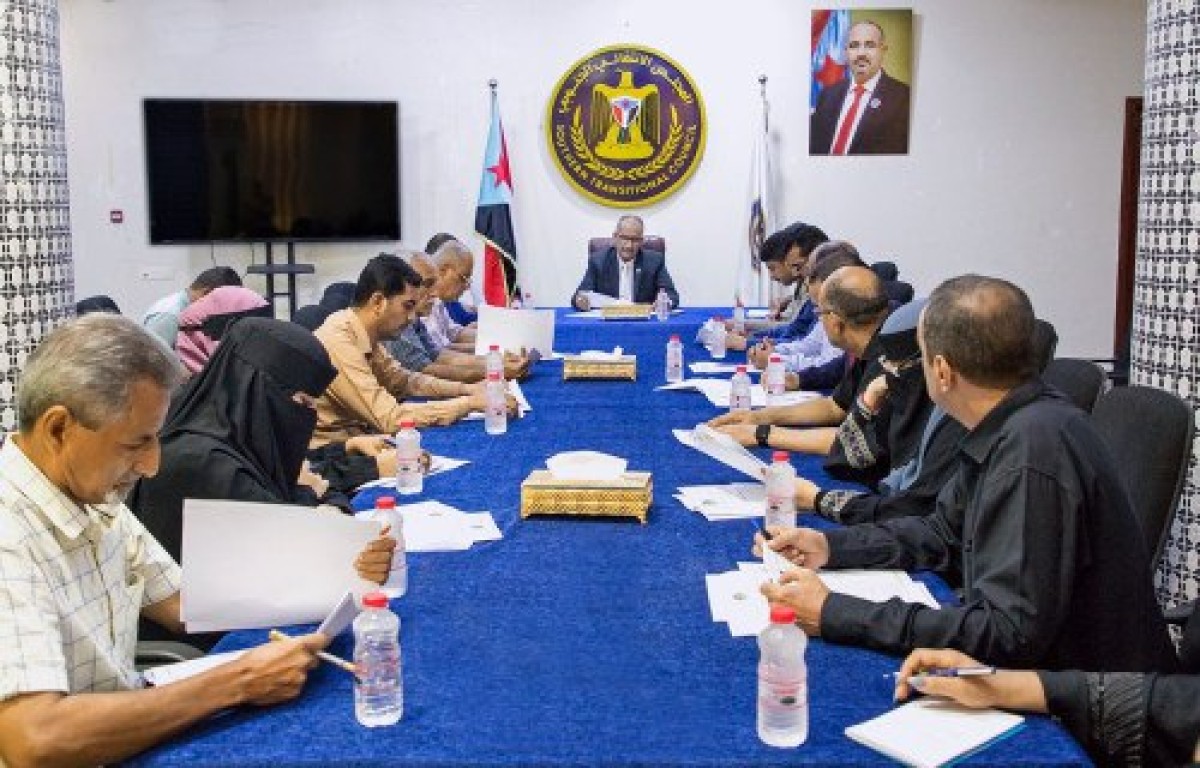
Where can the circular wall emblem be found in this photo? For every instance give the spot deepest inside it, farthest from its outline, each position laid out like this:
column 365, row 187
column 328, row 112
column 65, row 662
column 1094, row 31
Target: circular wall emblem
column 626, row 126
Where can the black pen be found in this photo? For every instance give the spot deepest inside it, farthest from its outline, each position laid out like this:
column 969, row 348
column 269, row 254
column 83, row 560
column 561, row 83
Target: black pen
column 767, row 535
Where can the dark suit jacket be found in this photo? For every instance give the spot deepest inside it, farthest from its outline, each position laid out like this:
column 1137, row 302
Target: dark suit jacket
column 649, row 275
column 883, row 129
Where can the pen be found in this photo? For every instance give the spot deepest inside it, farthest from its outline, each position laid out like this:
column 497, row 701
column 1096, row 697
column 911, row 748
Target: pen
column 275, row 634
column 767, row 535
column 979, row 671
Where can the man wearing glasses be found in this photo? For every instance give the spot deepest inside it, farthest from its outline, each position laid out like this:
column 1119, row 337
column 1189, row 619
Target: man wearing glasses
column 455, row 264
column 626, row 271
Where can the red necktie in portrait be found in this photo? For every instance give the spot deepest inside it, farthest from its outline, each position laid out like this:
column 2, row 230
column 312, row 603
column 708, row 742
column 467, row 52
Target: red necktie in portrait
column 843, row 134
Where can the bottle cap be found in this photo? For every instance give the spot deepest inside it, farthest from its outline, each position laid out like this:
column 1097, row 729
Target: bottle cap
column 385, row 502
column 780, row 614
column 379, row 600
column 776, row 359
column 780, row 456
column 674, row 337
column 493, row 376
column 493, row 348
column 740, row 369
column 408, row 424
column 718, row 318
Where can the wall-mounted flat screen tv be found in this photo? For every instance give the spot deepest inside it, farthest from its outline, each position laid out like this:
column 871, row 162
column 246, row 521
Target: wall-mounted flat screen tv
column 255, row 171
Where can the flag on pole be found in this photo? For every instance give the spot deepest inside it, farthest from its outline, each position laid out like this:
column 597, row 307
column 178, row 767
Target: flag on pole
column 493, row 219
column 752, row 277
column 829, row 32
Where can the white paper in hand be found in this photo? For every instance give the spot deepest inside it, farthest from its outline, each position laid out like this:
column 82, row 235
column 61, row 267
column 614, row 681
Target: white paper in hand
column 515, row 330
column 266, row 565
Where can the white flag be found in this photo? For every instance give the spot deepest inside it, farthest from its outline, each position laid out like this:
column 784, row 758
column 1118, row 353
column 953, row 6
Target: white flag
column 752, row 277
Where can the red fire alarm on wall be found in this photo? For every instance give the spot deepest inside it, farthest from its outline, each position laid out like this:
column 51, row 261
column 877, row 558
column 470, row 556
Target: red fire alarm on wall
column 116, row 217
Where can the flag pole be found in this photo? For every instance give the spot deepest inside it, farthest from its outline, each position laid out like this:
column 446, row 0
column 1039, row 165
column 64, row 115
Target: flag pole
column 764, row 279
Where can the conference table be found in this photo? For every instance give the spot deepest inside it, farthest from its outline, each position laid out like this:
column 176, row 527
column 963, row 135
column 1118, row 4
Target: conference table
column 576, row 641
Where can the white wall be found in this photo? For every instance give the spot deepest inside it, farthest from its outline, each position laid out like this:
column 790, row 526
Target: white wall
column 1014, row 168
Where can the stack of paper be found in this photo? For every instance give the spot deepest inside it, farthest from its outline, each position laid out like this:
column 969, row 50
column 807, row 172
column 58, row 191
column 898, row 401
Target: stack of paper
column 717, row 391
column 734, row 596
column 736, row 501
column 431, row 526
column 932, row 732
column 711, row 367
column 723, row 448
column 601, row 300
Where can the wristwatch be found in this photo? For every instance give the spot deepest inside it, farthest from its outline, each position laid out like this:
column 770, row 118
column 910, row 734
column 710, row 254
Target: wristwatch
column 762, row 435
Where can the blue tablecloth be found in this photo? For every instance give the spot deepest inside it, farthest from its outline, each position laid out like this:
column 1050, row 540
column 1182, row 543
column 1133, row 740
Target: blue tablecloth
column 575, row 641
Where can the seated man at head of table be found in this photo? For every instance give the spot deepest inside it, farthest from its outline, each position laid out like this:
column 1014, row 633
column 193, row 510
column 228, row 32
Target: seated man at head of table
column 852, row 307
column 1055, row 570
column 416, row 350
column 626, row 271
column 455, row 264
column 369, row 394
column 77, row 569
column 786, row 254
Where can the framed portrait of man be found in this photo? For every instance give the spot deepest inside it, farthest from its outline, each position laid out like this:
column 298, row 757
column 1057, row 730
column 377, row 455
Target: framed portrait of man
column 861, row 80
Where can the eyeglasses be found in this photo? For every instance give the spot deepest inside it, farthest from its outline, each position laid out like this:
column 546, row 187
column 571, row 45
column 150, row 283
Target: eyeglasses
column 628, row 238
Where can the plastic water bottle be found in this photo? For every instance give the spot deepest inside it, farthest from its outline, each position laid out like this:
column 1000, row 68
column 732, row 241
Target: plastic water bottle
column 397, row 580
column 716, row 343
column 739, row 318
column 494, row 361
column 781, row 492
column 782, row 681
column 774, row 379
column 495, row 413
column 379, row 685
column 674, row 359
column 662, row 305
column 739, row 390
column 409, row 478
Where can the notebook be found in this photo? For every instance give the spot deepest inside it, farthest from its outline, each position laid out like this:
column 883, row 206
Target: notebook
column 931, row 732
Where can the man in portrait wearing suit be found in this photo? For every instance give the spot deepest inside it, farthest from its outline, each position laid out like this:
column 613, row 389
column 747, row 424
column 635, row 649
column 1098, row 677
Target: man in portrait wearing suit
column 626, row 271
column 867, row 113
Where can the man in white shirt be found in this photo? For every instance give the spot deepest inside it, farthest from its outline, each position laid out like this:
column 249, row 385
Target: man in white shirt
column 77, row 569
column 868, row 113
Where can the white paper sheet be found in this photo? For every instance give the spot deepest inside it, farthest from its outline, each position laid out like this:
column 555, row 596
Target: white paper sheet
column 723, row 448
column 182, row 670
column 437, row 465
column 515, row 329
column 735, row 501
column 341, row 617
column 932, row 732
column 431, row 526
column 266, row 565
column 712, row 367
column 514, row 389
column 757, row 313
column 734, row 598
column 483, row 526
column 878, row 586
column 601, row 300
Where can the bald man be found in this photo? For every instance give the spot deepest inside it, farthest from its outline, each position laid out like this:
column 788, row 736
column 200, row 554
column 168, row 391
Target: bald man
column 852, row 307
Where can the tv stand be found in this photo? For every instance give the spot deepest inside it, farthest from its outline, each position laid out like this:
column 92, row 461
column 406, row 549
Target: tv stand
column 290, row 268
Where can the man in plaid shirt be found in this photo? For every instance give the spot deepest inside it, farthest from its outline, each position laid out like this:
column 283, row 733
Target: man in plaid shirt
column 77, row 569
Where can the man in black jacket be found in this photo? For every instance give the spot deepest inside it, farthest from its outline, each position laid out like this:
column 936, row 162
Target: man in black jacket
column 1054, row 566
column 866, row 114
column 626, row 271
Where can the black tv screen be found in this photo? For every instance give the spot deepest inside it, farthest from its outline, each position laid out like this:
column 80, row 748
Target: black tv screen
column 254, row 171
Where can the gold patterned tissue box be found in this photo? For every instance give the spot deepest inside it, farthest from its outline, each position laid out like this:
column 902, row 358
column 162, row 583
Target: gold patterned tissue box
column 627, row 312
column 626, row 496
column 581, row 367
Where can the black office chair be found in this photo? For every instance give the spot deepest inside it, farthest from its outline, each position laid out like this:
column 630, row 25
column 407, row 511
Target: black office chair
column 1081, row 381
column 1150, row 434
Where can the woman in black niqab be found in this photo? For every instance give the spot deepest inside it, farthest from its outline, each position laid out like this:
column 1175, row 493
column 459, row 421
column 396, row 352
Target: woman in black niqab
column 240, row 428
